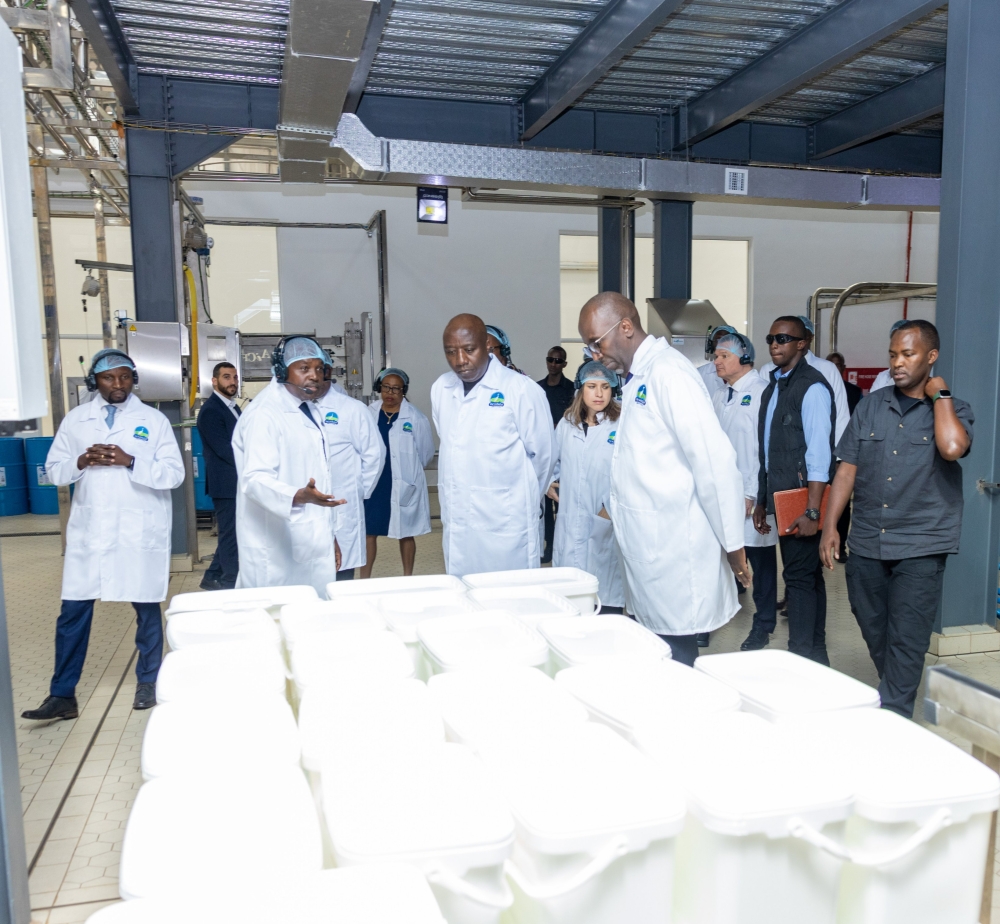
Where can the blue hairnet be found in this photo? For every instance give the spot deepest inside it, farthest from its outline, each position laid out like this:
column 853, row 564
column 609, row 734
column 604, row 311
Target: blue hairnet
column 392, row 370
column 725, row 327
column 298, row 348
column 897, row 326
column 110, row 358
column 737, row 344
column 594, row 370
column 497, row 334
column 809, row 326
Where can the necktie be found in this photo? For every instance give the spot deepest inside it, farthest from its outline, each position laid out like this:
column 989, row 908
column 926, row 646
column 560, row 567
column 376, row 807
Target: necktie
column 304, row 407
column 730, row 398
column 628, row 378
column 109, row 412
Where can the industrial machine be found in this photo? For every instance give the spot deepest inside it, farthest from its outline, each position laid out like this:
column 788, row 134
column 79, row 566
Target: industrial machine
column 686, row 322
column 161, row 352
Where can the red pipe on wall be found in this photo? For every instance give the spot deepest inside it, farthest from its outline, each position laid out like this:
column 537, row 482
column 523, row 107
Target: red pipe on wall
column 909, row 248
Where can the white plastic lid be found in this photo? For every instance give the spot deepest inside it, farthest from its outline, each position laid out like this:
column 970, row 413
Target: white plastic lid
column 394, row 585
column 402, row 612
column 242, row 598
column 302, row 620
column 357, row 653
column 572, row 791
column 622, row 694
column 778, row 685
column 185, row 737
column 383, row 893
column 203, row 673
column 198, row 627
column 355, row 719
column 442, row 802
column 563, row 581
column 186, row 832
column 582, row 639
column 743, row 775
column 482, row 705
column 529, row 604
column 486, row 638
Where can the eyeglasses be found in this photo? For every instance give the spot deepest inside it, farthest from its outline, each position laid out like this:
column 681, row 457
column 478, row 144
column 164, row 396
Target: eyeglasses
column 392, row 389
column 595, row 345
column 555, row 360
column 782, row 338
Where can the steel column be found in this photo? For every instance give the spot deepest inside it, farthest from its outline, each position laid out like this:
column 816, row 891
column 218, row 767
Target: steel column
column 672, row 223
column 616, row 251
column 968, row 306
column 102, row 274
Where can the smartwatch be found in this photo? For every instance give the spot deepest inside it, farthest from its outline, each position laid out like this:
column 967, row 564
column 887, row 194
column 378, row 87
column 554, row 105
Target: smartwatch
column 131, row 465
column 943, row 393
column 812, row 514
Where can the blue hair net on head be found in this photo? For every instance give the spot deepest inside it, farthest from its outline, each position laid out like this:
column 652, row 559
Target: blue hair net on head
column 497, row 334
column 299, row 348
column 392, row 370
column 738, row 345
column 897, row 326
column 592, row 371
column 723, row 327
column 110, row 358
column 807, row 324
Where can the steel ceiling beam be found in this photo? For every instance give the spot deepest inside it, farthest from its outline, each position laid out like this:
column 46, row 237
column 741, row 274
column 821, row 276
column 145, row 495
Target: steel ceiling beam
column 890, row 111
column 373, row 36
column 104, row 32
column 837, row 36
column 621, row 26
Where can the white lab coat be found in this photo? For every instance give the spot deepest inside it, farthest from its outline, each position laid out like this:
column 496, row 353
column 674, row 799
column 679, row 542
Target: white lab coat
column 277, row 451
column 676, row 497
column 118, row 535
column 711, row 378
column 883, row 380
column 832, row 374
column 410, row 449
column 494, row 463
column 739, row 414
column 355, row 453
column 583, row 539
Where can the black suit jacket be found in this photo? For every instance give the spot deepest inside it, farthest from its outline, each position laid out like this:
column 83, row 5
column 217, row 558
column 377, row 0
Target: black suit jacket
column 216, row 424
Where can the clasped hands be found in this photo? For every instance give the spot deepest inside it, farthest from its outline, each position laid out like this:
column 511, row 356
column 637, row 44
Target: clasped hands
column 104, row 454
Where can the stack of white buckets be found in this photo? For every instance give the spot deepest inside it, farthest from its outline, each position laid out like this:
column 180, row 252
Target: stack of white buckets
column 419, row 750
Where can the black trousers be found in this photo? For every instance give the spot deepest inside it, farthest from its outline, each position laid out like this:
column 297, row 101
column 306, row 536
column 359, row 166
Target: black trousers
column 226, row 561
column 895, row 604
column 684, row 648
column 805, row 590
column 764, row 564
column 844, row 527
column 551, row 508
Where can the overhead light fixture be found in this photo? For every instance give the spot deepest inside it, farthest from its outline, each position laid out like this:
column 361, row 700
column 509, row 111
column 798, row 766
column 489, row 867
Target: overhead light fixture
column 432, row 204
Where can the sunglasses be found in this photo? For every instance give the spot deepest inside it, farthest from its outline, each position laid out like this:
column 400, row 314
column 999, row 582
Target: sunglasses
column 782, row 338
column 555, row 360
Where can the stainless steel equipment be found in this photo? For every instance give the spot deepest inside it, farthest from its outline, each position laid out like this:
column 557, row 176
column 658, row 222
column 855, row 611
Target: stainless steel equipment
column 354, row 351
column 216, row 344
column 158, row 349
column 685, row 322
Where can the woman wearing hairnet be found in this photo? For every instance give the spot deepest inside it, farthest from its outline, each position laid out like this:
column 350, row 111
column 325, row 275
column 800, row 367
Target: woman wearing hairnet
column 585, row 443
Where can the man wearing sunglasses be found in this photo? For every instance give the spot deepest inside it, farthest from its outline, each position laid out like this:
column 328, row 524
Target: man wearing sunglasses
column 796, row 429
column 559, row 391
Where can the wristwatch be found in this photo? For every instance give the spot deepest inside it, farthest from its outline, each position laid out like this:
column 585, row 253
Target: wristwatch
column 943, row 393
column 812, row 514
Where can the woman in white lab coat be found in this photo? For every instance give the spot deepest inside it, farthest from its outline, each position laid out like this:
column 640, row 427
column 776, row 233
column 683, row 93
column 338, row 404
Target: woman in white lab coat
column 398, row 506
column 585, row 443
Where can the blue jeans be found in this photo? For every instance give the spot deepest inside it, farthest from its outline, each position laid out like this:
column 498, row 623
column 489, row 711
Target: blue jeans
column 764, row 564
column 73, row 635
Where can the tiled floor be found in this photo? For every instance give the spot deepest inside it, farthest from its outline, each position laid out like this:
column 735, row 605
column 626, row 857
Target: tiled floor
column 79, row 778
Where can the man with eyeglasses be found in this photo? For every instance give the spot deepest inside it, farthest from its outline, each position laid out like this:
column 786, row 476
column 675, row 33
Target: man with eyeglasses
column 798, row 419
column 559, row 391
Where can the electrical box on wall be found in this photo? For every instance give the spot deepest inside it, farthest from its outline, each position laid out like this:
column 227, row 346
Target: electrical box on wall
column 157, row 348
column 216, row 344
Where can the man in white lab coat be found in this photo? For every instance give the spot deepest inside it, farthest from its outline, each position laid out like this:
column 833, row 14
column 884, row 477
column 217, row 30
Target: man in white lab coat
column 284, row 503
column 707, row 371
column 676, row 499
column 495, row 456
column 123, row 458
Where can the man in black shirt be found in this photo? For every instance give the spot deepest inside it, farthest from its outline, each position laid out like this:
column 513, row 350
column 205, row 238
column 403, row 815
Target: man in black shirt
column 899, row 455
column 559, row 390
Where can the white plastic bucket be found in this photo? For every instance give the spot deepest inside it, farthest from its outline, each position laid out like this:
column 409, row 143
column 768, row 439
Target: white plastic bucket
column 394, row 585
column 200, row 627
column 579, row 587
column 483, row 705
column 750, row 787
column 595, row 824
column 346, row 654
column 390, row 893
column 582, row 640
column 216, row 671
column 529, row 604
column 490, row 638
column 622, row 694
column 302, row 620
column 189, row 832
column 185, row 737
column 439, row 811
column 269, row 598
column 778, row 685
column 403, row 612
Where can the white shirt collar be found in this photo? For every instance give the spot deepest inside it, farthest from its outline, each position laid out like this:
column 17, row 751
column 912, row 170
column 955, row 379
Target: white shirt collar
column 229, row 402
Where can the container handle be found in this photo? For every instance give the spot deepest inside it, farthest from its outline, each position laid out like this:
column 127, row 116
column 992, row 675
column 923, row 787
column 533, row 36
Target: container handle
column 456, row 884
column 940, row 820
column 611, row 851
column 597, row 606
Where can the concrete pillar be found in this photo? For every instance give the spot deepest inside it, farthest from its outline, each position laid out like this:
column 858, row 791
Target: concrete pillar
column 672, row 222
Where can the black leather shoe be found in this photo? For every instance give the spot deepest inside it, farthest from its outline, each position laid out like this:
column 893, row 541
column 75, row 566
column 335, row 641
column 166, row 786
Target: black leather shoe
column 145, row 696
column 54, row 707
column 757, row 639
column 703, row 638
column 209, row 584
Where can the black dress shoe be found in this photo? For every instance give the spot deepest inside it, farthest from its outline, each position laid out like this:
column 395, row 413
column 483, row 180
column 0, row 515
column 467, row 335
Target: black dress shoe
column 209, row 584
column 703, row 638
column 145, row 696
column 757, row 639
column 54, row 707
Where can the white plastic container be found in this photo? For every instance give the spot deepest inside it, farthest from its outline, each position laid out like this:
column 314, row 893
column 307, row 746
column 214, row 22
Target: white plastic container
column 245, row 598
column 917, row 842
column 579, row 587
column 302, row 620
column 440, row 812
column 622, row 695
column 198, row 627
column 394, row 585
column 391, row 893
column 489, row 638
column 778, row 685
column 359, row 654
column 185, row 737
column 586, row 639
column 751, row 789
column 596, row 824
column 217, row 671
column 529, row 604
column 402, row 613
column 191, row 832
column 484, row 705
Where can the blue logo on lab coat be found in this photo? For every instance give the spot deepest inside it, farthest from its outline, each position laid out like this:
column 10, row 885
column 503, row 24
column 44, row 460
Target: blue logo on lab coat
column 611, row 437
column 640, row 395
column 141, row 433
column 496, row 399
column 407, row 427
column 331, row 418
column 746, row 400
